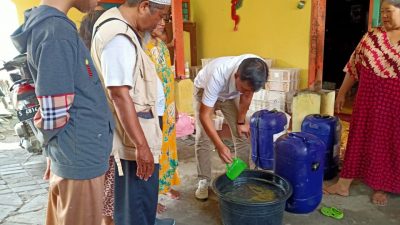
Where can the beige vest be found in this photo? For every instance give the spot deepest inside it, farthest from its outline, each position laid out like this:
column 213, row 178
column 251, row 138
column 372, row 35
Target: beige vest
column 144, row 87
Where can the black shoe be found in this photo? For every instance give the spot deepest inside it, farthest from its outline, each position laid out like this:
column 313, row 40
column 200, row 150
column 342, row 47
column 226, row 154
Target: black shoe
column 167, row 221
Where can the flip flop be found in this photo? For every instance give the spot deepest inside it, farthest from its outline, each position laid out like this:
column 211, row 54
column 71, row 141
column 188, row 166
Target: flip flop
column 332, row 212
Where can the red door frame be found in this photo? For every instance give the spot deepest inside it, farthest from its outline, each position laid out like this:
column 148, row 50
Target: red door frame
column 317, row 38
column 177, row 27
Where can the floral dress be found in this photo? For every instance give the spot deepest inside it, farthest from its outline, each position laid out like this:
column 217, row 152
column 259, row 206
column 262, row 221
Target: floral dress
column 373, row 149
column 168, row 176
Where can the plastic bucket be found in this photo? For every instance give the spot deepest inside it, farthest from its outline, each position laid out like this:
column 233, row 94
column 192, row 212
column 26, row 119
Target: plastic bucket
column 236, row 210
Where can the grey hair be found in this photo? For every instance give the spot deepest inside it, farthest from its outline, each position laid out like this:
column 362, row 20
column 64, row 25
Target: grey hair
column 395, row 3
column 254, row 71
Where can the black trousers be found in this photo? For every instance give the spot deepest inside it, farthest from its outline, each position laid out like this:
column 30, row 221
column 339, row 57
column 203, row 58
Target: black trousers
column 135, row 199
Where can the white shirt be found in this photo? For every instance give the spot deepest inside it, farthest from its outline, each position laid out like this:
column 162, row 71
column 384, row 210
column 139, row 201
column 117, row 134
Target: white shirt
column 217, row 79
column 118, row 60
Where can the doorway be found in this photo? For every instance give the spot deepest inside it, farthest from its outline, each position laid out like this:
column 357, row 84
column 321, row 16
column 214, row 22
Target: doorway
column 346, row 23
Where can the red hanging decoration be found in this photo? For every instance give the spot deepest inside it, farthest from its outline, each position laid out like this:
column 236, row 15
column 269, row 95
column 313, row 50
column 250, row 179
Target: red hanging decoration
column 234, row 16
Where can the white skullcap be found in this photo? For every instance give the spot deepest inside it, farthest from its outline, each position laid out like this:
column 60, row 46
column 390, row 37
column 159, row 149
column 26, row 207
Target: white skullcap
column 161, row 2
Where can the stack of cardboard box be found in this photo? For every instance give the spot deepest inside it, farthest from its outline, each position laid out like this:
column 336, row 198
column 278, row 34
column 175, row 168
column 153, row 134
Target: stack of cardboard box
column 264, row 100
column 282, row 84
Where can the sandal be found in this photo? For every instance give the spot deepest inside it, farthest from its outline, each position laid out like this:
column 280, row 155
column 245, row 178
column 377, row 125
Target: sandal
column 332, row 212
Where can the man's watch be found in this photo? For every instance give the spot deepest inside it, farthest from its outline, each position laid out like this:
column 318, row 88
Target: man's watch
column 241, row 123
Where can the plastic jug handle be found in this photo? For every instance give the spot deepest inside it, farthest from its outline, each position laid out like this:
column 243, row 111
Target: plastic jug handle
column 297, row 136
column 322, row 116
column 274, row 111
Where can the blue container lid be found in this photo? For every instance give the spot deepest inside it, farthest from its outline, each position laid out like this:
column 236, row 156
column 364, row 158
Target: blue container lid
column 321, row 118
column 269, row 120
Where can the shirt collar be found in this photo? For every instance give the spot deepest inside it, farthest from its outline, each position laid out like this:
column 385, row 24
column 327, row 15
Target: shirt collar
column 232, row 83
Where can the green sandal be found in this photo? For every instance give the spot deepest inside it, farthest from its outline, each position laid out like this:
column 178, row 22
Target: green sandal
column 332, row 212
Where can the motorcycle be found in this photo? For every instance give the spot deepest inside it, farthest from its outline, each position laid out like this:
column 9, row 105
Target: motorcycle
column 25, row 103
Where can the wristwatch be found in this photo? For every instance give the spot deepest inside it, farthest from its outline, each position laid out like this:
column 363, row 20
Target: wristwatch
column 241, row 123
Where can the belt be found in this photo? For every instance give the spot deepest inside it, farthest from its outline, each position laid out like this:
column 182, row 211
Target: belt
column 145, row 115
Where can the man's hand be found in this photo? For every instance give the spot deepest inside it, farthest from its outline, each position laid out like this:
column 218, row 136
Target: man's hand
column 46, row 175
column 225, row 154
column 243, row 130
column 127, row 115
column 145, row 162
column 205, row 119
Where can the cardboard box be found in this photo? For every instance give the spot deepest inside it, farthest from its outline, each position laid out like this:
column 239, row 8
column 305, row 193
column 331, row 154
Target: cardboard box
column 284, row 86
column 269, row 62
column 286, row 99
column 269, row 100
column 284, row 74
column 283, row 79
column 304, row 103
column 327, row 102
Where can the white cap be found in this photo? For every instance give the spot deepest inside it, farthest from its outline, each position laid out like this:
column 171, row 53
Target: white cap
column 161, row 2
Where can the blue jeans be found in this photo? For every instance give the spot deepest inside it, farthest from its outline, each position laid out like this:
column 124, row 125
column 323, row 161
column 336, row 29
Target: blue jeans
column 135, row 199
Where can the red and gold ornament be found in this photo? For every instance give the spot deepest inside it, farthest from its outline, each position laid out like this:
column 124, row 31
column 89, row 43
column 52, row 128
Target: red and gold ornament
column 235, row 5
